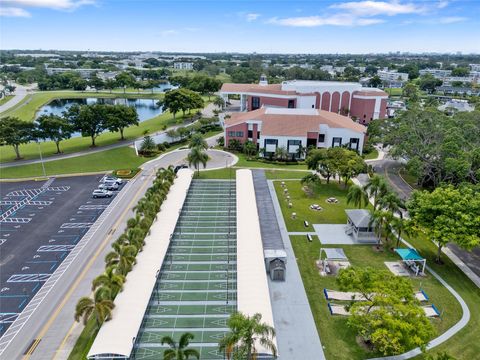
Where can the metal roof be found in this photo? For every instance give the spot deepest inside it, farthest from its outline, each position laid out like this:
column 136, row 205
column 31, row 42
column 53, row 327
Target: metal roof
column 409, row 254
column 359, row 217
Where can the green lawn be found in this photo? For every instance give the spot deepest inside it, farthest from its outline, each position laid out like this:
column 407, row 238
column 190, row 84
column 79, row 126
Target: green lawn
column 371, row 155
column 285, row 174
column 409, row 178
column 331, row 213
column 120, row 158
column 333, row 330
column 243, row 162
column 5, row 99
column 394, row 91
column 84, row 341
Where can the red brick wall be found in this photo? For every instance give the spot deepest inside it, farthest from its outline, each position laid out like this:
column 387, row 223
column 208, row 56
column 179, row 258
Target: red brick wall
column 383, row 109
column 326, row 101
column 363, row 109
column 239, row 127
column 345, row 103
column 335, row 102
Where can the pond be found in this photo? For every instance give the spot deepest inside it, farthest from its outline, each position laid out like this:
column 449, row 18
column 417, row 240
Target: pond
column 146, row 108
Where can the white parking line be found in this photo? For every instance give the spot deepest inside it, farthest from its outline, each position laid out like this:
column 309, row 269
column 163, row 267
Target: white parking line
column 75, row 225
column 50, row 248
column 28, row 278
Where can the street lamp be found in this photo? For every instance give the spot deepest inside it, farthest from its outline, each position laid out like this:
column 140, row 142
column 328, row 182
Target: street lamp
column 41, row 158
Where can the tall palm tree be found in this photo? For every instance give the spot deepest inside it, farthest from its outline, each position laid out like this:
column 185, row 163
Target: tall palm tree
column 197, row 141
column 109, row 279
column 100, row 307
column 380, row 220
column 401, row 226
column 376, row 187
column 391, row 201
column 197, row 156
column 357, row 196
column 180, row 351
column 123, row 257
column 245, row 331
column 281, row 153
column 301, row 151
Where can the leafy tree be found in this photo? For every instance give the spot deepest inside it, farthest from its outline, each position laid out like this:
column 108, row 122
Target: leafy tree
column 109, row 279
column 100, row 307
column 118, row 117
column 390, row 201
column 410, row 91
column 110, row 84
column 322, row 162
column 429, row 83
column 90, row 120
column 123, row 257
column 349, row 164
column 375, row 81
column 15, row 132
column 148, row 145
column 250, row 148
column 55, row 128
column 173, row 102
column 197, row 141
column 390, row 318
column 179, row 351
column 245, row 331
column 380, row 221
column 376, row 187
column 219, row 102
column 448, row 214
column 197, row 156
column 281, row 153
column 460, row 71
column 124, row 80
column 357, row 196
column 96, row 83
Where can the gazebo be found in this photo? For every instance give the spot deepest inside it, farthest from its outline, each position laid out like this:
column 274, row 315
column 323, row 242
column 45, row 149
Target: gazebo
column 334, row 260
column 413, row 260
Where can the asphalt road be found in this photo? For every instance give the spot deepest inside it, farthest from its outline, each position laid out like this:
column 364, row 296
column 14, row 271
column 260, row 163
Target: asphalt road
column 50, row 332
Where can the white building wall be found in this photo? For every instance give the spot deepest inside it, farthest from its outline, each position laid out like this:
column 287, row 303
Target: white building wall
column 345, row 134
column 306, row 102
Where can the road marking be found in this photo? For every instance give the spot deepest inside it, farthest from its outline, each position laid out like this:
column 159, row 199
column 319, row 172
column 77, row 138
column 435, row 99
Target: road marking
column 80, row 277
column 48, row 248
column 75, row 225
column 28, row 278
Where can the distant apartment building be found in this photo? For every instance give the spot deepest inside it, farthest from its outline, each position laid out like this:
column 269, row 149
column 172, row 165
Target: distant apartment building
column 347, row 98
column 437, row 73
column 474, row 67
column 272, row 128
column 183, row 65
column 84, row 73
column 391, row 75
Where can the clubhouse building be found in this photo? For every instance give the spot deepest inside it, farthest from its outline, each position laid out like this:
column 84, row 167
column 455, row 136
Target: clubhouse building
column 345, row 98
column 273, row 127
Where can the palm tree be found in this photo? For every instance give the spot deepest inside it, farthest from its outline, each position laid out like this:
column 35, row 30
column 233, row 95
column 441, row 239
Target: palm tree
column 249, row 148
column 100, row 307
column 197, row 141
column 281, row 153
column 401, row 226
column 219, row 102
column 380, row 220
column 301, row 151
column 197, row 156
column 376, row 187
column 357, row 196
column 245, row 331
column 109, row 279
column 390, row 201
column 180, row 351
column 123, row 257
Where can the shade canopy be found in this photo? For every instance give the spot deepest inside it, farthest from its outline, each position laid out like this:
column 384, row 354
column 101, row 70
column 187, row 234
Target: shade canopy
column 409, row 254
column 333, row 254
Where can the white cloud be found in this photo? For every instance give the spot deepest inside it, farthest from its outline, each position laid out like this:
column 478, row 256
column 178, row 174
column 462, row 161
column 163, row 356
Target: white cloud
column 451, row 19
column 373, row 8
column 335, row 20
column 442, row 4
column 252, row 17
column 168, row 32
column 49, row 4
column 13, row 12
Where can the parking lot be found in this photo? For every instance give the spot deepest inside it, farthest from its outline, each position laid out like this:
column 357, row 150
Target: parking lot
column 40, row 223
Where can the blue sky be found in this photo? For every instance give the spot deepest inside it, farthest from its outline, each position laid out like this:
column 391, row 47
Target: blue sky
column 263, row 26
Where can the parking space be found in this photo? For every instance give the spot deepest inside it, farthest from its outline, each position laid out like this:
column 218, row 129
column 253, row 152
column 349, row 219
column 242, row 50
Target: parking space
column 40, row 223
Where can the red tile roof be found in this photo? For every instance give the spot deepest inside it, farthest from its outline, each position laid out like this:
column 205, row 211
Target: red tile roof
column 245, row 88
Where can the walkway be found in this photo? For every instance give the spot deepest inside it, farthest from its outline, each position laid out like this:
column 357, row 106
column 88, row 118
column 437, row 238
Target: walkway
column 19, row 95
column 196, row 291
column 291, row 310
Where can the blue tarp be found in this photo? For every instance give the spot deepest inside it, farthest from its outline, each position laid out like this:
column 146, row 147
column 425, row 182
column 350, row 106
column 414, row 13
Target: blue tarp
column 408, row 254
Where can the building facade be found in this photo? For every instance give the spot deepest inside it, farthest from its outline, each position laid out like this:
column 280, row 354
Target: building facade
column 292, row 129
column 183, row 65
column 346, row 98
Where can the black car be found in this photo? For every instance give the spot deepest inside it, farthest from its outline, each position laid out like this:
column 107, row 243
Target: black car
column 181, row 166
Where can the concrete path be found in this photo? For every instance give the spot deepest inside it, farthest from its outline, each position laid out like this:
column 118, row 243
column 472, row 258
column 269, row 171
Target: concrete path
column 52, row 322
column 19, row 95
column 297, row 335
column 299, row 233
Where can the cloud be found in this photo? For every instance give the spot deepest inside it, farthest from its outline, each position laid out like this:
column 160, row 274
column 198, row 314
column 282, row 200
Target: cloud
column 252, row 17
column 451, row 19
column 168, row 32
column 48, row 4
column 335, row 20
column 442, row 4
column 374, row 8
column 13, row 12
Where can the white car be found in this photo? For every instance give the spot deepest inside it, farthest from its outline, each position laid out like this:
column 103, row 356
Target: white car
column 108, row 186
column 112, row 179
column 99, row 193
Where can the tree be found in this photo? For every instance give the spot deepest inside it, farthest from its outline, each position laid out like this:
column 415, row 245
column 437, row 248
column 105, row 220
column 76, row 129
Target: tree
column 460, row 71
column 380, row 220
column 90, row 120
column 148, row 145
column 109, row 279
column 172, row 102
column 410, row 91
column 197, row 141
column 249, row 148
column 375, row 81
column 357, row 196
column 391, row 202
column 245, row 332
column 429, row 83
column 15, row 132
column 100, row 307
column 448, row 214
column 376, row 187
column 197, row 156
column 123, row 257
column 349, row 164
column 55, row 128
column 219, row 102
column 96, row 83
column 110, row 84
column 180, row 351
column 124, row 80
column 390, row 318
column 281, row 153
column 119, row 117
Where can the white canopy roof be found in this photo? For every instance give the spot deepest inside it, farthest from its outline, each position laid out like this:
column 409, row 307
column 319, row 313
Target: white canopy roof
column 116, row 337
column 253, row 295
column 333, row 253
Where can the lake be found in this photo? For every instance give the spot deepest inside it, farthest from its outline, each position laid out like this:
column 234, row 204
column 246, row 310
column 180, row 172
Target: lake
column 146, row 108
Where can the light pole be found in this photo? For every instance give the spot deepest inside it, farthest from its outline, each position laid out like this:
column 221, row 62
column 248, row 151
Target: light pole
column 41, row 159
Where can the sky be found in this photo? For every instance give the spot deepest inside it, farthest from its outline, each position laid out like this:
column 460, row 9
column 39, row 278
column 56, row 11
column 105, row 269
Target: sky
column 262, row 26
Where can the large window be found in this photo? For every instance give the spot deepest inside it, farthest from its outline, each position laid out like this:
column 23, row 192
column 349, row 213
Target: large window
column 235, row 133
column 271, row 145
column 354, row 142
column 336, row 141
column 255, row 103
column 321, row 138
column 250, row 134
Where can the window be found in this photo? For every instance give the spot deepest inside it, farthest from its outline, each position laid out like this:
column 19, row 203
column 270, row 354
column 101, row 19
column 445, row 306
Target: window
column 271, row 141
column 321, row 138
column 231, row 133
column 293, row 145
column 258, row 134
column 313, row 106
column 271, row 145
column 291, row 104
column 255, row 103
column 250, row 134
column 354, row 142
column 239, row 133
column 336, row 141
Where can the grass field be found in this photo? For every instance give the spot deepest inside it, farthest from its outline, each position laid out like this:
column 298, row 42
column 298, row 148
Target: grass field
column 5, row 99
column 119, row 158
column 84, row 341
column 333, row 330
column 276, row 174
column 371, row 155
column 331, row 213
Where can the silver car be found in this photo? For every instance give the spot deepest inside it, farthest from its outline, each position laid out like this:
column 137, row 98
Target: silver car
column 99, row 193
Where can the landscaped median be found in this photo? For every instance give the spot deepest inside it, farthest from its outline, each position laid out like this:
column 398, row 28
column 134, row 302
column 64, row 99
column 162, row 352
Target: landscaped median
column 334, row 330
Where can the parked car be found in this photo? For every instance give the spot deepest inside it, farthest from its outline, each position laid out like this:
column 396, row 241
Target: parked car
column 181, row 166
column 100, row 193
column 108, row 186
column 112, row 179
